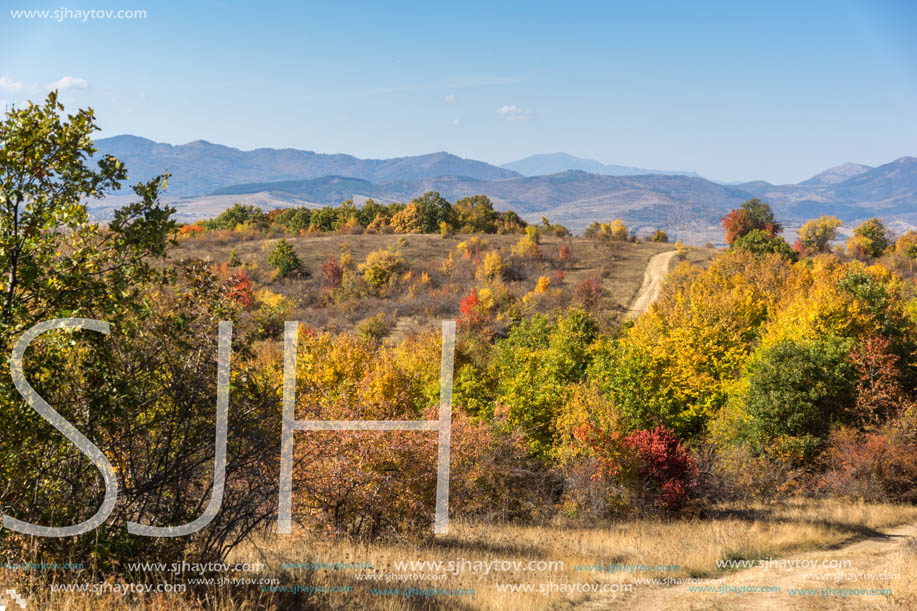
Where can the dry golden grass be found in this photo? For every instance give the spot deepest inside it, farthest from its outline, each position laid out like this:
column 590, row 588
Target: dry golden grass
column 695, row 545
column 620, row 265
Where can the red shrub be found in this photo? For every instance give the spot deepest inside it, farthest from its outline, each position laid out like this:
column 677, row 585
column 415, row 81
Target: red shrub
column 564, row 256
column 801, row 250
column 643, row 469
column 878, row 389
column 588, row 292
column 468, row 303
column 669, row 472
column 472, row 310
column 739, row 222
column 239, row 288
column 332, row 272
column 735, row 223
column 876, row 466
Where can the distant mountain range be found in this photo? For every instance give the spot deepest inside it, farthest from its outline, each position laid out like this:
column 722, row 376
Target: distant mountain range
column 554, row 163
column 200, row 167
column 208, row 177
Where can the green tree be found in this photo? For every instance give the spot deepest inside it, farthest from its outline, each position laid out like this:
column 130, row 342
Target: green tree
column 433, row 209
column 759, row 242
column 284, row 259
column 370, row 210
column 794, row 391
column 246, row 215
column 141, row 393
column 325, row 218
column 535, row 368
column 294, row 220
column 56, row 261
column 476, row 214
column 510, row 222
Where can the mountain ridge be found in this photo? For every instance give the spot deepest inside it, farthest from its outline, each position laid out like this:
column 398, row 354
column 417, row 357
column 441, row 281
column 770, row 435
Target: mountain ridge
column 199, row 167
column 206, row 175
column 553, row 163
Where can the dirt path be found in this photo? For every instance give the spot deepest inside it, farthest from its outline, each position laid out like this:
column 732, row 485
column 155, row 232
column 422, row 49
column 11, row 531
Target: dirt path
column 655, row 273
column 873, row 555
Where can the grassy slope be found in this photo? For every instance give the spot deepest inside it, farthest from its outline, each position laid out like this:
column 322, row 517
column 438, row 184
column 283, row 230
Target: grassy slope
column 620, row 266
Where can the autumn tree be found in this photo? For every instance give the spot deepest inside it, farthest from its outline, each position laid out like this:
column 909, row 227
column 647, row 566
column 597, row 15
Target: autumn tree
column 617, row 231
column 382, row 267
column 816, row 234
column 751, row 215
column 475, row 214
column 407, row 220
column 906, row 244
column 535, row 366
column 675, row 365
column 869, row 240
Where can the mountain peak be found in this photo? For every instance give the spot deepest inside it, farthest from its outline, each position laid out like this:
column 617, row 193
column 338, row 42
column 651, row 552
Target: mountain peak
column 838, row 173
column 554, row 163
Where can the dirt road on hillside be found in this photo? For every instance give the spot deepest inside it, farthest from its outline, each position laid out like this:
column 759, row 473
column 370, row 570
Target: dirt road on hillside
column 874, row 555
column 653, row 277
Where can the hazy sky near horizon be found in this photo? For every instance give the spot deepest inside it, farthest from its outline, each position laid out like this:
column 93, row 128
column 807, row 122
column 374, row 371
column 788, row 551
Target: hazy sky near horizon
column 732, row 90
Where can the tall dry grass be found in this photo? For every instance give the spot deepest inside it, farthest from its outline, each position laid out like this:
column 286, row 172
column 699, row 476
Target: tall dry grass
column 731, row 532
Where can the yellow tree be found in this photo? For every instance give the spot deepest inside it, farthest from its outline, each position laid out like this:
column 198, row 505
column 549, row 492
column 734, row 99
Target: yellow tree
column 817, row 234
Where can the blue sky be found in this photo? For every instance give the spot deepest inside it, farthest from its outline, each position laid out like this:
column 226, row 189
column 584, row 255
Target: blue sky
column 732, row 90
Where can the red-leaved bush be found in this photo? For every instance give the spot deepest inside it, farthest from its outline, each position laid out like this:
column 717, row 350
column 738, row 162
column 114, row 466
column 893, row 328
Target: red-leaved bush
column 644, row 469
column 878, row 389
column 588, row 292
column 239, row 288
column 873, row 466
column 332, row 273
column 738, row 222
column 801, row 250
column 564, row 256
column 473, row 312
column 666, row 468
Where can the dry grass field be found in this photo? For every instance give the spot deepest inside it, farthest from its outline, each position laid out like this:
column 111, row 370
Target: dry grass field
column 620, row 265
column 799, row 529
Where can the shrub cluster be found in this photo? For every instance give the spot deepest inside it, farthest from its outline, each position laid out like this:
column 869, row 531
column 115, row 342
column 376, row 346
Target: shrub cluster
column 429, row 213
